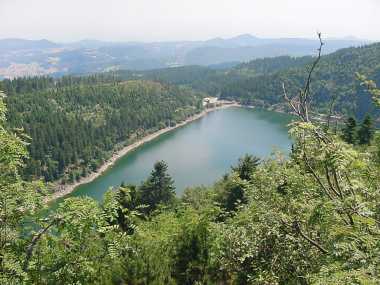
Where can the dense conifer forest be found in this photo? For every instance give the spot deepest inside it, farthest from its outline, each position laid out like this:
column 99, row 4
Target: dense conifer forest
column 75, row 122
column 334, row 80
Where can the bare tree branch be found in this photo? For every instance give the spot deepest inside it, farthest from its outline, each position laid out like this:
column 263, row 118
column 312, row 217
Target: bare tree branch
column 35, row 239
column 301, row 106
column 297, row 227
column 328, row 177
column 316, row 177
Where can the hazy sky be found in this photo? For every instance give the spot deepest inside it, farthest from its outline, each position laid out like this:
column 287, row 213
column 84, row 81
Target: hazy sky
column 157, row 20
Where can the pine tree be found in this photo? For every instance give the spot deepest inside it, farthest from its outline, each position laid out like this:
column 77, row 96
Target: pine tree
column 349, row 131
column 365, row 133
column 246, row 165
column 158, row 188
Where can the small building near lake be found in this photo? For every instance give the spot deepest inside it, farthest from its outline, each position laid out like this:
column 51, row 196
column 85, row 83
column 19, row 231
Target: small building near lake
column 210, row 102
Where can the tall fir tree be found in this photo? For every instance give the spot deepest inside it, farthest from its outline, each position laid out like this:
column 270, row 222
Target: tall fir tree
column 349, row 131
column 366, row 131
column 246, row 165
column 158, row 188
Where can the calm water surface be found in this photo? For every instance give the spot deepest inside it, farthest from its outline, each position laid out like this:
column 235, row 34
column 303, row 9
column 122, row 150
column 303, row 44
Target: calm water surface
column 200, row 152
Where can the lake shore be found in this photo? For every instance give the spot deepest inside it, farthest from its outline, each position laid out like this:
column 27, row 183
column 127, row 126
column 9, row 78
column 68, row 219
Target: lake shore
column 63, row 190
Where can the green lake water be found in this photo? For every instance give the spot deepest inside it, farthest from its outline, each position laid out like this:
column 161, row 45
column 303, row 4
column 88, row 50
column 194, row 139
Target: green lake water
column 199, row 153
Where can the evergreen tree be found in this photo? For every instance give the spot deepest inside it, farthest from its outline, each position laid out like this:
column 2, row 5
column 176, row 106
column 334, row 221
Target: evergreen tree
column 236, row 197
column 365, row 133
column 349, row 131
column 158, row 188
column 233, row 194
column 246, row 165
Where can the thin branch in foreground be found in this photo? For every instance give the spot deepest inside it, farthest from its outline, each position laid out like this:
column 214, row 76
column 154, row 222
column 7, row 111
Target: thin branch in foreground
column 297, row 227
column 35, row 239
column 301, row 105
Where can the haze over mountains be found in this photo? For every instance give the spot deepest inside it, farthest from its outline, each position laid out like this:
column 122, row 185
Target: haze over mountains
column 20, row 57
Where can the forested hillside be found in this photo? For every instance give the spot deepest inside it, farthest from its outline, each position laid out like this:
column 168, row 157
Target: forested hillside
column 267, row 65
column 76, row 122
column 334, row 79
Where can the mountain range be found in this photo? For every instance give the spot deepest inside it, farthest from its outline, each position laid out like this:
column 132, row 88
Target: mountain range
column 20, row 57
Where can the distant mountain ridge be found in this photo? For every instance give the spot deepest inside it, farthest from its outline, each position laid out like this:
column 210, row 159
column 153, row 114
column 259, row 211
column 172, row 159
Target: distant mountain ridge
column 21, row 44
column 20, row 57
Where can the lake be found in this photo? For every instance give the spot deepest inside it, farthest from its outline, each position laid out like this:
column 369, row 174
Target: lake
column 199, row 153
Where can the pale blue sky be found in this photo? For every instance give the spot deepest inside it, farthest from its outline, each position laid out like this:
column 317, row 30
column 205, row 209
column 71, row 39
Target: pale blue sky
column 158, row 20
